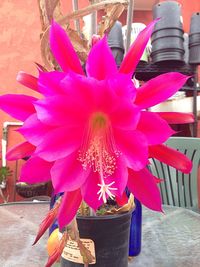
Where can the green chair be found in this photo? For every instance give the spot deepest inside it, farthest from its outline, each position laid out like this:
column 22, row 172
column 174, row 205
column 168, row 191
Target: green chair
column 177, row 188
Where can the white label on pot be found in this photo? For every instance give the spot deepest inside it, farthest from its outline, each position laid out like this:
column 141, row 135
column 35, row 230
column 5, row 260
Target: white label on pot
column 72, row 253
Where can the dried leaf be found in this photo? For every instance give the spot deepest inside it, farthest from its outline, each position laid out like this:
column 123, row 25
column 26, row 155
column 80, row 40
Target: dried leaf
column 72, row 230
column 127, row 207
column 40, row 67
column 80, row 44
column 48, row 9
column 85, row 253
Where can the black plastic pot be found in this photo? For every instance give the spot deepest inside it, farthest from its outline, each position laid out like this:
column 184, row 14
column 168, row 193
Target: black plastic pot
column 168, row 48
column 115, row 42
column 111, row 237
column 194, row 54
column 166, row 32
column 168, row 42
column 194, row 39
column 167, row 37
column 169, row 13
column 172, row 57
column 195, row 23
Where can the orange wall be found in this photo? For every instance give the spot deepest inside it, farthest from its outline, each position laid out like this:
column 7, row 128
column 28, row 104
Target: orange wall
column 19, row 48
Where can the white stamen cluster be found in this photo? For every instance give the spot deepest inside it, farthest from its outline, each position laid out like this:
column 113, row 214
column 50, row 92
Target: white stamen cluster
column 99, row 158
column 98, row 151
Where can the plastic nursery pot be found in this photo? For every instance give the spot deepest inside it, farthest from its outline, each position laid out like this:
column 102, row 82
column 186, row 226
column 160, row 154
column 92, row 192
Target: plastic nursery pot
column 110, row 235
column 169, row 13
column 169, row 55
column 167, row 47
column 194, row 38
column 195, row 23
column 166, row 32
column 167, row 37
column 194, row 54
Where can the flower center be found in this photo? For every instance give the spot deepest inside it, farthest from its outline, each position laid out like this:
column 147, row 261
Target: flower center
column 98, row 150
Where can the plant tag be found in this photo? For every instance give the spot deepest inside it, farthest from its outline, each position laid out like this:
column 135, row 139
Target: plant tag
column 72, row 253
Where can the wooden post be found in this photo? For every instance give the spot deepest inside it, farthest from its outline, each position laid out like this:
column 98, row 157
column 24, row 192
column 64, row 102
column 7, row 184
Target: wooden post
column 129, row 21
column 93, row 21
column 76, row 21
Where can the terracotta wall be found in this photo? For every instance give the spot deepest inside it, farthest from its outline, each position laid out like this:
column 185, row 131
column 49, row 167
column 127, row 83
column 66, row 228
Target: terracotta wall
column 19, row 49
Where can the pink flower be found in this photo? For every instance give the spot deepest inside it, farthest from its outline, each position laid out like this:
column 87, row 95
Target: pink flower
column 91, row 134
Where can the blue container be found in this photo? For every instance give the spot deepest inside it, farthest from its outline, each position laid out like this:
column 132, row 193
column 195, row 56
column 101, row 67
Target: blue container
column 136, row 230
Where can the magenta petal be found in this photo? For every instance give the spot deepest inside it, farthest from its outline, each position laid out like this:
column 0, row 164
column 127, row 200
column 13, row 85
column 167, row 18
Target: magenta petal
column 125, row 116
column 59, row 143
column 177, row 117
column 20, row 151
column 123, row 86
column 136, row 50
column 19, row 107
column 120, row 177
column 80, row 88
column 61, row 110
column 63, row 50
column 68, row 173
column 36, row 170
column 69, row 206
column 101, row 63
column 143, row 186
column 171, row 157
column 50, row 82
column 159, row 89
column 160, row 131
column 33, row 130
column 133, row 146
column 28, row 80
column 90, row 189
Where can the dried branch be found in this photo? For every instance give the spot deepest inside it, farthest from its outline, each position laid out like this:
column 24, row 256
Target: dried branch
column 47, row 57
column 79, row 43
column 50, row 9
column 47, row 9
column 112, row 14
column 89, row 9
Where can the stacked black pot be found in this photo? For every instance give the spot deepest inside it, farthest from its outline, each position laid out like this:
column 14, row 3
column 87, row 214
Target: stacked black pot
column 194, row 39
column 167, row 38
